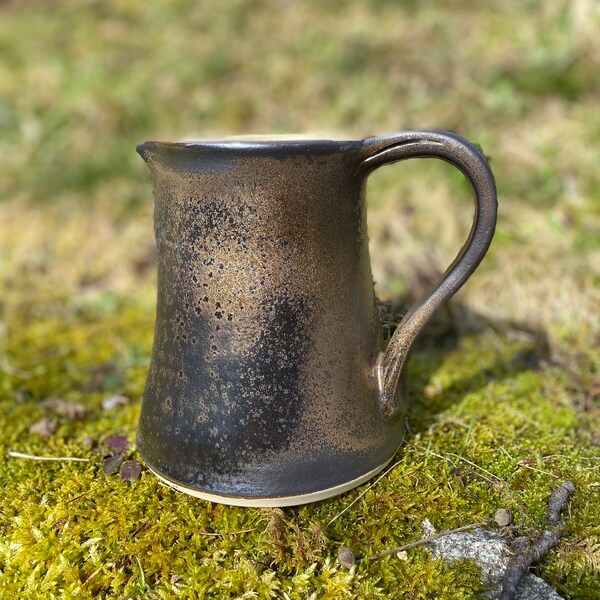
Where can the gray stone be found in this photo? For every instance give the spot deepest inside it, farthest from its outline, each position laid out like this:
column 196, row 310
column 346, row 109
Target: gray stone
column 491, row 554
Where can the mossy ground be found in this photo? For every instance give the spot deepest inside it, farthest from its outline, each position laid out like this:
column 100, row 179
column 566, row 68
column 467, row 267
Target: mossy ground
column 504, row 385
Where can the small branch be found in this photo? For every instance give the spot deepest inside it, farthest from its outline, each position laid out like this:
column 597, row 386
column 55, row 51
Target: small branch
column 14, row 454
column 492, row 479
column 142, row 527
column 426, row 540
column 524, row 463
column 519, row 564
column 558, row 501
column 347, row 559
column 228, row 533
column 86, row 493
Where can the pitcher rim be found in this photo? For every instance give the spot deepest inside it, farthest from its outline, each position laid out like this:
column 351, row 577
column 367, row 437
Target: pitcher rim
column 250, row 144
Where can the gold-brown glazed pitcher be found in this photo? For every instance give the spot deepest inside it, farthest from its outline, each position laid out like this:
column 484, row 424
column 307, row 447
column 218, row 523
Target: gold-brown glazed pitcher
column 269, row 383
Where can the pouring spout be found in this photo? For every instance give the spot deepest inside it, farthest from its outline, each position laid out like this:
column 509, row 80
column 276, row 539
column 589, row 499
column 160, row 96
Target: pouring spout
column 143, row 150
column 153, row 155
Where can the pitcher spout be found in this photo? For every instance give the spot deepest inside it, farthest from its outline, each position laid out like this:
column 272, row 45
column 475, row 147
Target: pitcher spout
column 143, row 150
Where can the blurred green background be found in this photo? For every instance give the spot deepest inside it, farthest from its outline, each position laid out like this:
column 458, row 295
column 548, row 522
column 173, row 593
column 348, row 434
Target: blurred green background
column 81, row 83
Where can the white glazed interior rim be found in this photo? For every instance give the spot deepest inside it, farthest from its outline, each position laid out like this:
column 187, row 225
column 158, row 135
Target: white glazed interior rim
column 318, row 136
column 323, row 140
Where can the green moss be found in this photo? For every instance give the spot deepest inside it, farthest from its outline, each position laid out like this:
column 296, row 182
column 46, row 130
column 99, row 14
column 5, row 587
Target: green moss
column 69, row 529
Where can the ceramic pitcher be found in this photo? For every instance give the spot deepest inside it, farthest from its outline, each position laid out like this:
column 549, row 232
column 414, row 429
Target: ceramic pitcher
column 269, row 383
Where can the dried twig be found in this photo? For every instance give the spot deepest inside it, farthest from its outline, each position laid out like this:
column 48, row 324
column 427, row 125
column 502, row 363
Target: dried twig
column 14, row 454
column 493, row 479
column 226, row 534
column 86, row 493
column 527, row 465
column 426, row 540
column 519, row 564
column 347, row 559
column 489, row 477
column 558, row 502
column 142, row 527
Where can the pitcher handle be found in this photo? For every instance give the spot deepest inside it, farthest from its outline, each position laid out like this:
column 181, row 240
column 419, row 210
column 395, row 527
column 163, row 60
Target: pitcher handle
column 470, row 161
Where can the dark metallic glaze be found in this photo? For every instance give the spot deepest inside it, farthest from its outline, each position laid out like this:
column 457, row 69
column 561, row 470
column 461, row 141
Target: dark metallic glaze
column 268, row 376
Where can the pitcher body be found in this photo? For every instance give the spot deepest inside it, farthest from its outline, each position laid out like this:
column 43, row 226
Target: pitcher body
column 269, row 384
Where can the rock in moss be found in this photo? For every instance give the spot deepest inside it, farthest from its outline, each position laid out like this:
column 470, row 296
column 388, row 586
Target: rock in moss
column 491, row 553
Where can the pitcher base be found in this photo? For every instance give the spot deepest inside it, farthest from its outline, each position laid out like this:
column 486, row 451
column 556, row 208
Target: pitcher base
column 276, row 501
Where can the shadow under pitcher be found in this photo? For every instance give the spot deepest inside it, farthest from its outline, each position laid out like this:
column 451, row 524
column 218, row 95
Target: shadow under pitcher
column 269, row 383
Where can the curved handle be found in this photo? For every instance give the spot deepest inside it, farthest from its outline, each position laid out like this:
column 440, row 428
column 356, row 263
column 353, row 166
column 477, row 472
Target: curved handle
column 468, row 159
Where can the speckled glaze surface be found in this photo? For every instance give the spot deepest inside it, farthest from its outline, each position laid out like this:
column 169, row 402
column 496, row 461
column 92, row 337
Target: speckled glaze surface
column 268, row 382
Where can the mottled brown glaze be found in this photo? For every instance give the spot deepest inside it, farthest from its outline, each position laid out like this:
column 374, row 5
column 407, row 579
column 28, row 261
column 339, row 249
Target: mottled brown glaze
column 268, row 377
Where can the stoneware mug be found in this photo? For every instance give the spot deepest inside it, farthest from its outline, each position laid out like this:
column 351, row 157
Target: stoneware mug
column 269, row 383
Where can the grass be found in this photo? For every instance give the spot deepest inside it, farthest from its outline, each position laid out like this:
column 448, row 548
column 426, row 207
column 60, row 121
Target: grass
column 508, row 373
